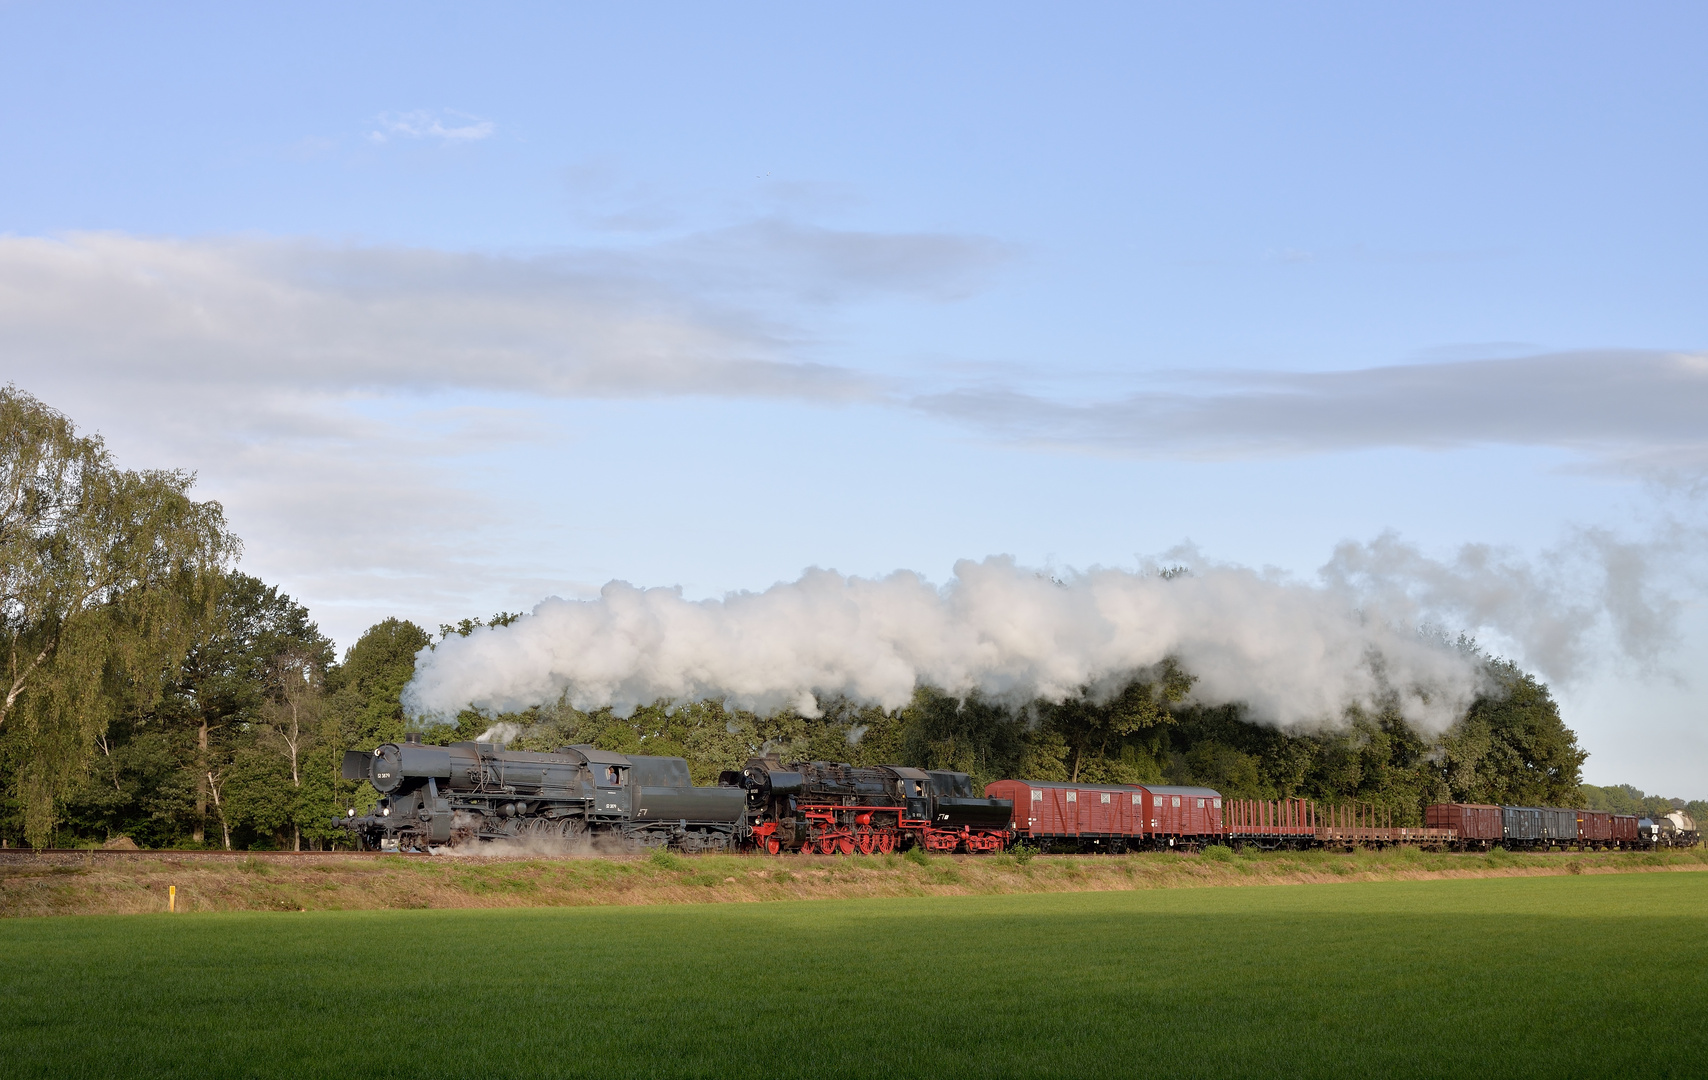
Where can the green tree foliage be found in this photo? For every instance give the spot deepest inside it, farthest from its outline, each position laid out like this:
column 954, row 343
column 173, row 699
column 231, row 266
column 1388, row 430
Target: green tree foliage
column 1625, row 799
column 1512, row 747
column 108, row 574
column 220, row 750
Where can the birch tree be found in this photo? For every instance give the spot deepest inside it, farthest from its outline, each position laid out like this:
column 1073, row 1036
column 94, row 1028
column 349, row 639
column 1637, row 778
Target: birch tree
column 105, row 574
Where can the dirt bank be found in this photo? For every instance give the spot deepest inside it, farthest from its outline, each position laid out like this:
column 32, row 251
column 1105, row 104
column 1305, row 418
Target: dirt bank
column 79, row 883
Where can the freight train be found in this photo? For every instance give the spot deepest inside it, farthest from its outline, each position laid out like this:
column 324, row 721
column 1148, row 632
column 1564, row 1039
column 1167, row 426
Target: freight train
column 434, row 796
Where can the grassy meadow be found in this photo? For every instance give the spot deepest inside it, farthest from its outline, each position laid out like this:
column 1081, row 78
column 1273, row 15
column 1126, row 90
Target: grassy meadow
column 1569, row 976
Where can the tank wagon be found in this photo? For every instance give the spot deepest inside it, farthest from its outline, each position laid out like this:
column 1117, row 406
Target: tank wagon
column 468, row 791
column 1677, row 829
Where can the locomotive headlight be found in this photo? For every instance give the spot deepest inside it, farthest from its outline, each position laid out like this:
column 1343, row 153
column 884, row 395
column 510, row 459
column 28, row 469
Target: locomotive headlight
column 350, row 812
column 383, row 813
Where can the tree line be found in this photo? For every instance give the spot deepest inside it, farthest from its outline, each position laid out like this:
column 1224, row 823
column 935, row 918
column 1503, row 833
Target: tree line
column 157, row 694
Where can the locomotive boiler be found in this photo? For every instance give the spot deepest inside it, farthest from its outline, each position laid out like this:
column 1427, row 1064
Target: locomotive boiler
column 836, row 808
column 471, row 791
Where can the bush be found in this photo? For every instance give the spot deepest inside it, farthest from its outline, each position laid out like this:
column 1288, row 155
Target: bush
column 665, row 860
column 917, row 856
column 1219, row 852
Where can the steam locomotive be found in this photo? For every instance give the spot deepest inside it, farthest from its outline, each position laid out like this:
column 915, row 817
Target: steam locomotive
column 473, row 791
column 832, row 808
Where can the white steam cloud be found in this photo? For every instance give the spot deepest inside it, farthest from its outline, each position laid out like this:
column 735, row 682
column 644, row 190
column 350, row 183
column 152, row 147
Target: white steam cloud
column 1294, row 654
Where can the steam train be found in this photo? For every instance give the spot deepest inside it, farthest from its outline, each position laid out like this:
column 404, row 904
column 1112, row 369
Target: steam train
column 467, row 792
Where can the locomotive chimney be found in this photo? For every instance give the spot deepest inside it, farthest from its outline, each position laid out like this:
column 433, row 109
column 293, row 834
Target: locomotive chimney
column 412, row 738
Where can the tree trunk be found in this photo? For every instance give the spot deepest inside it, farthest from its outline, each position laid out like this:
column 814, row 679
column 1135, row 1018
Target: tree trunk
column 199, row 834
column 296, row 830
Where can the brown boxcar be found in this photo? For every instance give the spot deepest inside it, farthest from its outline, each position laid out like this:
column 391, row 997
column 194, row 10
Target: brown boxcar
column 1172, row 813
column 1595, row 827
column 1475, row 823
column 1048, row 810
column 1625, row 830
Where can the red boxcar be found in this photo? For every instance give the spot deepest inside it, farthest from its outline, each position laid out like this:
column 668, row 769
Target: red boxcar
column 1595, row 827
column 1047, row 810
column 1475, row 823
column 1172, row 813
column 1625, row 829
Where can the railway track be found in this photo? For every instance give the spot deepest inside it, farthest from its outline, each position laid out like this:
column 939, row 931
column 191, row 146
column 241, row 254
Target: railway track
column 18, row 855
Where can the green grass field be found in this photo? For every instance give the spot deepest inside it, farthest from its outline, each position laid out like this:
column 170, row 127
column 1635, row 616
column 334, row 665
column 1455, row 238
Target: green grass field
column 1561, row 976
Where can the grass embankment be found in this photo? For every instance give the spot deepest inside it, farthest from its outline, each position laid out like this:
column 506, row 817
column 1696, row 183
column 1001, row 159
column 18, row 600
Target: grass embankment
column 1575, row 976
column 136, row 883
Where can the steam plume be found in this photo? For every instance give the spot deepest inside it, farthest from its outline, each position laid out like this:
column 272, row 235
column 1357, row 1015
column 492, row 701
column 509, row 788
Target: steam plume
column 1295, row 654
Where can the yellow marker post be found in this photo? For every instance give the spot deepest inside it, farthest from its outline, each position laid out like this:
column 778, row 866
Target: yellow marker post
column 171, row 898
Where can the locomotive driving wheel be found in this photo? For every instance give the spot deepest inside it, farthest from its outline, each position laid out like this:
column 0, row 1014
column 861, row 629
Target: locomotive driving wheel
column 866, row 840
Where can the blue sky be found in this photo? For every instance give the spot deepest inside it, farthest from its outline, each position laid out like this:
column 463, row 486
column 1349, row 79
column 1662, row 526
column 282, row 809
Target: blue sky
column 458, row 307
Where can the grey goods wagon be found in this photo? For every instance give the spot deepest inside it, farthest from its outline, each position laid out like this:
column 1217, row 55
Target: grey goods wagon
column 1521, row 826
column 1559, row 826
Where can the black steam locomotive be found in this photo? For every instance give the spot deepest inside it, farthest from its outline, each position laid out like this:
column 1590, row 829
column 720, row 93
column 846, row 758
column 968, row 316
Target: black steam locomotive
column 473, row 791
column 832, row 808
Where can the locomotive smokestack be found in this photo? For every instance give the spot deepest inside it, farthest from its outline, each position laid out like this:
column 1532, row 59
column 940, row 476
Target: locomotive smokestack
column 412, row 738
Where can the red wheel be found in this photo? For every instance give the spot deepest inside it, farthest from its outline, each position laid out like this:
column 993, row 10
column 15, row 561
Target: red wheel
column 887, row 842
column 867, row 842
column 773, row 845
column 845, row 845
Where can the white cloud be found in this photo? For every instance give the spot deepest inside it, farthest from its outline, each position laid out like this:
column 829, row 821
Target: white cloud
column 348, row 403
column 448, row 126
